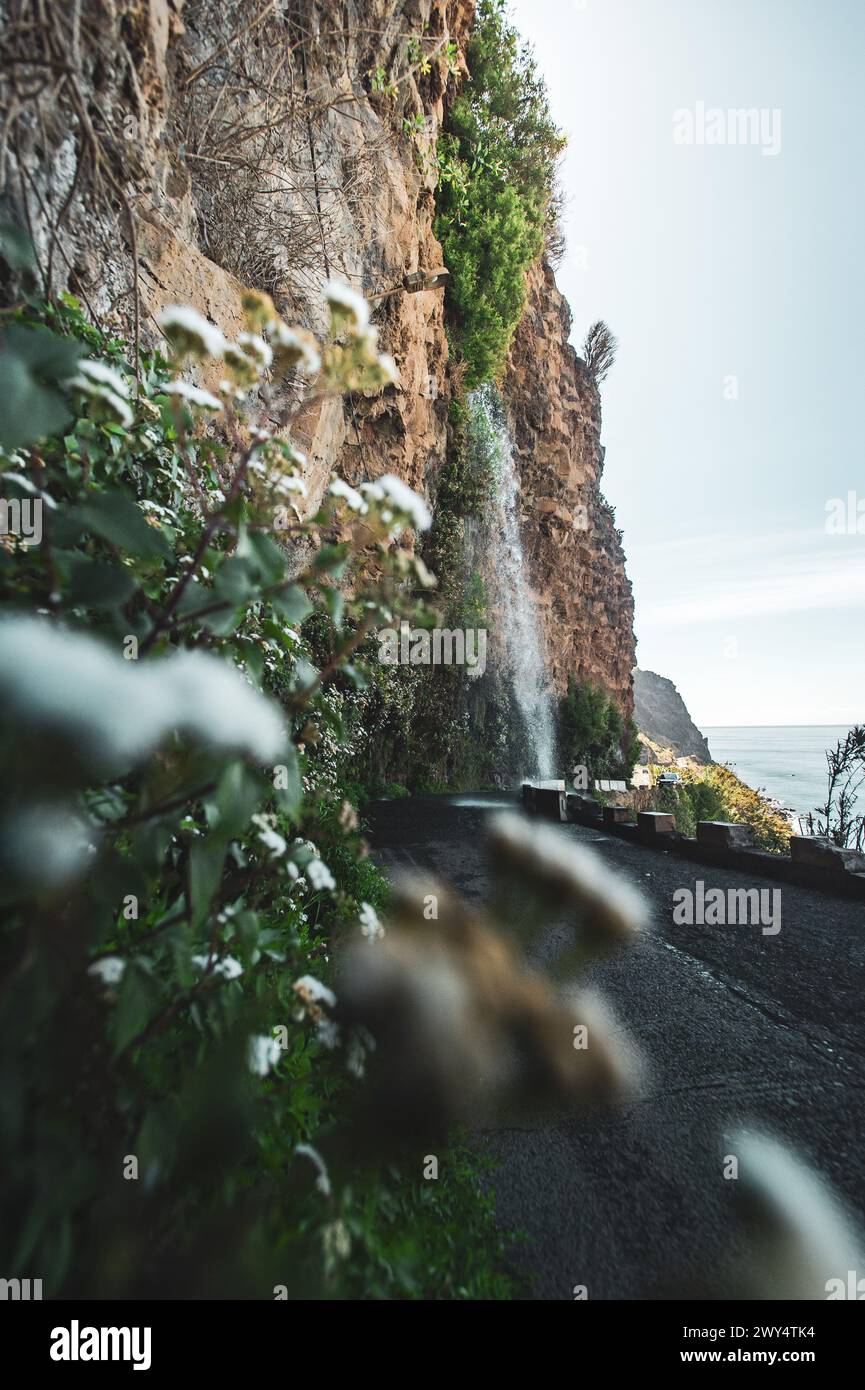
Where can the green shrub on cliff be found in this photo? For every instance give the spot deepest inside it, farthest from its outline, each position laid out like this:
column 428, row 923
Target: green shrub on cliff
column 495, row 195
column 594, row 735
column 690, row 802
column 716, row 793
column 745, row 806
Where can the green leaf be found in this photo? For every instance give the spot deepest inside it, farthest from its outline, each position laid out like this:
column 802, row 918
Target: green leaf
column 134, row 1006
column 265, row 559
column 98, row 584
column 206, row 858
column 331, row 559
column 16, row 248
column 233, row 586
column 233, row 582
column 292, row 604
column 356, row 675
column 335, row 605
column 32, row 363
column 304, row 675
column 237, row 795
column 66, row 526
column 288, row 784
column 247, row 928
column 251, row 656
column 116, row 518
column 154, row 1141
column 194, row 597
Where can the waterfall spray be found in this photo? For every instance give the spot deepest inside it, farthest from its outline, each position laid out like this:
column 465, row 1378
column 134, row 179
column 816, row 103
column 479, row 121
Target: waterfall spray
column 522, row 647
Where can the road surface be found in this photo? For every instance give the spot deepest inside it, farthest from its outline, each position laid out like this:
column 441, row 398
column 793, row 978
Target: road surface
column 736, row 1027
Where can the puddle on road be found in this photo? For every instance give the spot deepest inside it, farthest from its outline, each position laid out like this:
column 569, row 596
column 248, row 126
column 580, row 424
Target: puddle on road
column 480, row 803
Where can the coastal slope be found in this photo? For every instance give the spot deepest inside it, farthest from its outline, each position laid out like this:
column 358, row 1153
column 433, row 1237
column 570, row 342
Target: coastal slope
column 661, row 714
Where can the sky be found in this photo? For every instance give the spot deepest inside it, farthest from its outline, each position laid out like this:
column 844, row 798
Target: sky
column 732, row 275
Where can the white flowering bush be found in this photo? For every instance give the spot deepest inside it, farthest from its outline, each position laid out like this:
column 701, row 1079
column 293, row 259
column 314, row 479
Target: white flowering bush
column 181, row 851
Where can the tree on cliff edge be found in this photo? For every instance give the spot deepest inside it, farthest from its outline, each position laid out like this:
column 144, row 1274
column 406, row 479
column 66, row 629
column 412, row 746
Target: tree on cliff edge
column 599, row 350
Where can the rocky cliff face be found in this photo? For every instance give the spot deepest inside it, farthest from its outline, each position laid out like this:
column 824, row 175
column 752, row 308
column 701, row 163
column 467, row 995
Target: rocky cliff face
column 219, row 147
column 249, row 145
column 661, row 715
column 573, row 549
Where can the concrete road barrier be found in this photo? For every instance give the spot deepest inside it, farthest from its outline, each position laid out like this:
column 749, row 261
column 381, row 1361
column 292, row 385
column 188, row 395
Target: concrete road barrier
column 655, row 825
column 546, row 798
column 819, row 852
column 724, row 834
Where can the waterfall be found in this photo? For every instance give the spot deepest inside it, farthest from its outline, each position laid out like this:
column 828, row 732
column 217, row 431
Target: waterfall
column 519, row 643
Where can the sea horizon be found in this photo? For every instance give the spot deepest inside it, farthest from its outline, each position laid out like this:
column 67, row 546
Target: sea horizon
column 785, row 761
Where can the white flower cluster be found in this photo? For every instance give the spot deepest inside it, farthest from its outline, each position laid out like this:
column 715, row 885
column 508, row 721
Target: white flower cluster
column 274, row 346
column 347, row 307
column 263, row 1053
column 322, row 1181
column 269, row 836
column 109, row 970
column 403, row 499
column 360, row 1044
column 349, row 495
column 295, row 347
column 355, row 363
column 119, row 711
column 395, row 503
column 312, row 995
column 320, row 876
column 336, row 1244
column 256, row 348
column 268, row 463
column 193, row 395
column 105, row 386
column 228, row 967
column 190, row 333
column 370, row 925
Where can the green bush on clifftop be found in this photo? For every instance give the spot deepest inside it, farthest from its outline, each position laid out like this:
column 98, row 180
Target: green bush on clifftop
column 496, row 173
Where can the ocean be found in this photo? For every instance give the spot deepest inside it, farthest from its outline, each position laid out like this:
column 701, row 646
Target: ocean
column 786, row 761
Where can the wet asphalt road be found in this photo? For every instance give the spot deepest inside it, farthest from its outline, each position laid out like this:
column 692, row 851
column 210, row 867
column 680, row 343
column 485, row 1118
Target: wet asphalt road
column 736, row 1027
